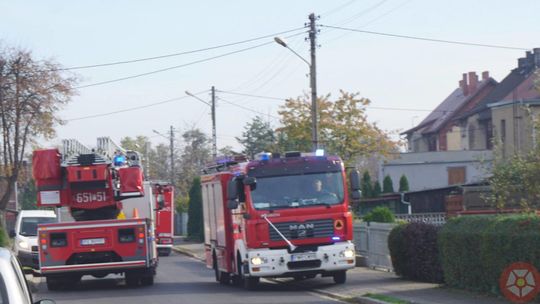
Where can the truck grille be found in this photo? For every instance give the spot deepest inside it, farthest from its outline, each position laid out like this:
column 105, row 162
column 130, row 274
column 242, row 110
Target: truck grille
column 309, row 229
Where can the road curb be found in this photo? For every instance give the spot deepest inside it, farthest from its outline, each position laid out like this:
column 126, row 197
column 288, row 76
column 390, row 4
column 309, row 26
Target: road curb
column 188, row 253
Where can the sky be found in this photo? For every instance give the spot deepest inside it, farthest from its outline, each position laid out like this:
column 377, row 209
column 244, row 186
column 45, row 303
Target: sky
column 403, row 78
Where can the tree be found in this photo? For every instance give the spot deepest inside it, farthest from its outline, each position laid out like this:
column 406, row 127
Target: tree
column 366, row 185
column 195, row 224
column 377, row 189
column 31, row 93
column 343, row 127
column 258, row 136
column 388, row 185
column 27, row 196
column 403, row 184
column 196, row 154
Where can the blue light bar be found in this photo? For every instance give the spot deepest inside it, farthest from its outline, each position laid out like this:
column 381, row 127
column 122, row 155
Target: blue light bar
column 336, row 238
column 119, row 160
column 319, row 152
column 264, row 156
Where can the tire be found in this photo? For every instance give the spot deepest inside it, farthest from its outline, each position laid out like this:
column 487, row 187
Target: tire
column 250, row 283
column 132, row 280
column 164, row 252
column 147, row 281
column 53, row 284
column 340, row 277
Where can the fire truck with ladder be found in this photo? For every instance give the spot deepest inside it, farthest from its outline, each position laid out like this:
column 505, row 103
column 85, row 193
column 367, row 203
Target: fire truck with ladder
column 278, row 217
column 96, row 186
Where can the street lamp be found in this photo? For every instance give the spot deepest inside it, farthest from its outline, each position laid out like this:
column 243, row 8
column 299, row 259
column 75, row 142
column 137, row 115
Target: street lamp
column 213, row 106
column 313, row 85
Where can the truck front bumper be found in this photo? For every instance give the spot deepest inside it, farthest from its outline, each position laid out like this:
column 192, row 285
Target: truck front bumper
column 281, row 263
column 28, row 259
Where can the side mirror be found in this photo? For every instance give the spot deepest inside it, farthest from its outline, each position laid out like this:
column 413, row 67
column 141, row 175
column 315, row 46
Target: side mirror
column 12, row 233
column 160, row 201
column 232, row 194
column 251, row 182
column 232, row 204
column 356, row 195
column 354, row 178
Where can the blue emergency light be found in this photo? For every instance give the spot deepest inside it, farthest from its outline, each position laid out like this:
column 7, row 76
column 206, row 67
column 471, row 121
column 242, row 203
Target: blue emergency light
column 336, row 238
column 319, row 152
column 119, row 160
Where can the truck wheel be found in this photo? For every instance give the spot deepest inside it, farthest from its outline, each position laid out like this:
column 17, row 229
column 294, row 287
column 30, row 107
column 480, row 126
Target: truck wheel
column 250, row 283
column 147, row 281
column 53, row 284
column 340, row 277
column 164, row 252
column 132, row 280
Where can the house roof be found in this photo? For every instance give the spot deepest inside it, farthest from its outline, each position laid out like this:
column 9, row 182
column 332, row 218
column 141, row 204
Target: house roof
column 447, row 109
column 506, row 86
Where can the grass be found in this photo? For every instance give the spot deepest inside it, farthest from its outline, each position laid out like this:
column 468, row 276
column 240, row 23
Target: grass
column 387, row 299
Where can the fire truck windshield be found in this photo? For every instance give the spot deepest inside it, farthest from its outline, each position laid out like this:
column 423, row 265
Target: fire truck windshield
column 297, row 191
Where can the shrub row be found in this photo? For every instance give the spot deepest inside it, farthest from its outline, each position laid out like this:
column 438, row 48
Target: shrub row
column 476, row 249
column 3, row 238
column 414, row 252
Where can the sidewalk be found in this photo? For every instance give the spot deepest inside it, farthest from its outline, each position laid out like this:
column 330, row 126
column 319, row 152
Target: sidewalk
column 363, row 280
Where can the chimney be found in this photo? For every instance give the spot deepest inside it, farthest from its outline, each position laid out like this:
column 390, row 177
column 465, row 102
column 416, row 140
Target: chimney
column 536, row 52
column 485, row 75
column 463, row 85
column 522, row 62
column 473, row 81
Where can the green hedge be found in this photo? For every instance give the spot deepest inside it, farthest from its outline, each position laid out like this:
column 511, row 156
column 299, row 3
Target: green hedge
column 476, row 249
column 414, row 252
column 380, row 214
column 4, row 241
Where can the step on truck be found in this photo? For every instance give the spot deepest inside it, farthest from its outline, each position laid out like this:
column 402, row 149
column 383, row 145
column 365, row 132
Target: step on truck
column 278, row 217
column 98, row 187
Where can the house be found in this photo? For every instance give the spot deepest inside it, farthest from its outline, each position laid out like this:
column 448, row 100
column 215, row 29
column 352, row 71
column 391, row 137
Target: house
column 507, row 114
column 439, row 131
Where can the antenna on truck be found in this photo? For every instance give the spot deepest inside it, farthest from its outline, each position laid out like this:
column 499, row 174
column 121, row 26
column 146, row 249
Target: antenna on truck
column 293, row 248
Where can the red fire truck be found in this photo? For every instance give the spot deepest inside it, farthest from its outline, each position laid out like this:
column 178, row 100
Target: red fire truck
column 164, row 217
column 94, row 185
column 278, row 217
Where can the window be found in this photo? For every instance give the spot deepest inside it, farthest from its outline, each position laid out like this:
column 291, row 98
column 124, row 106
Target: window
column 456, row 175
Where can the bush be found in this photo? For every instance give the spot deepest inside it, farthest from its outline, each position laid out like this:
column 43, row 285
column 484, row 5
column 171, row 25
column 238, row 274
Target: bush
column 388, row 185
column 4, row 240
column 403, row 184
column 380, row 214
column 414, row 252
column 476, row 249
column 195, row 225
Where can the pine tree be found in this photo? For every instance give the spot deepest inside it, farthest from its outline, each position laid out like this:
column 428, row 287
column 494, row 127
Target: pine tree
column 403, row 184
column 195, row 224
column 367, row 190
column 388, row 185
column 377, row 189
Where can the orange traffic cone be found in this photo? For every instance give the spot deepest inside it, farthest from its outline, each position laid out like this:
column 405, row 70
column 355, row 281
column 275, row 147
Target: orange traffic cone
column 135, row 213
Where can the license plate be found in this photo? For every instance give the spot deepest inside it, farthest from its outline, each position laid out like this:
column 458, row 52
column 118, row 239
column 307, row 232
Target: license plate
column 303, row 257
column 89, row 242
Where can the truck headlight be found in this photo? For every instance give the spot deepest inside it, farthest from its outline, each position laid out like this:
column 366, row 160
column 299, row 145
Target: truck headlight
column 347, row 253
column 24, row 244
column 258, row 261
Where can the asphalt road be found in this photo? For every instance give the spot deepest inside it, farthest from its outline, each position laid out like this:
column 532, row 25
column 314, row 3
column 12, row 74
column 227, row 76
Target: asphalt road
column 180, row 279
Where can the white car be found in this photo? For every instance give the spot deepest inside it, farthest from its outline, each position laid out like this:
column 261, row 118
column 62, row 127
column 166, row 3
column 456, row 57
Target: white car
column 13, row 286
column 25, row 244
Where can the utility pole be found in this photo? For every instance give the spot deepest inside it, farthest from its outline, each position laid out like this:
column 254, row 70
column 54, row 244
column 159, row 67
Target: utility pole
column 171, row 138
column 214, row 136
column 313, row 82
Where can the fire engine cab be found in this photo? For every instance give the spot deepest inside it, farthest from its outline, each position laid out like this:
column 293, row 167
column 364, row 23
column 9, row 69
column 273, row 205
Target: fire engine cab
column 96, row 186
column 278, row 217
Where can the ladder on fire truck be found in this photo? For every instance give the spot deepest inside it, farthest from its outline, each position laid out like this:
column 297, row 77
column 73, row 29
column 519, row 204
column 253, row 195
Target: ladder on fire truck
column 104, row 152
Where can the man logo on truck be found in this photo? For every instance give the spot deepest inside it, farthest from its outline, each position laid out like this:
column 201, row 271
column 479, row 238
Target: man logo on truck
column 302, row 230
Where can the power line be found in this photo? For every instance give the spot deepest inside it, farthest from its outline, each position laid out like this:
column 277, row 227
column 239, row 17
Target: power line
column 179, row 66
column 426, row 39
column 247, row 109
column 334, row 10
column 133, row 108
column 252, row 95
column 177, row 54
